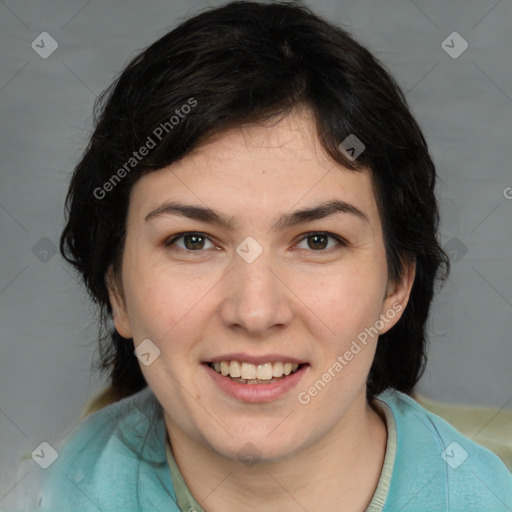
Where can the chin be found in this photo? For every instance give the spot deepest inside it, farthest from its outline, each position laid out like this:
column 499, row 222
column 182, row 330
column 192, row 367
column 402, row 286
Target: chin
column 250, row 446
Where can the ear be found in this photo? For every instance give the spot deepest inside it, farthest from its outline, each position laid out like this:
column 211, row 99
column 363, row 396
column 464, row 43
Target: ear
column 397, row 297
column 117, row 303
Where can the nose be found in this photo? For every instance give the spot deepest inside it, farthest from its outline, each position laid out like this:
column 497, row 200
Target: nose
column 256, row 297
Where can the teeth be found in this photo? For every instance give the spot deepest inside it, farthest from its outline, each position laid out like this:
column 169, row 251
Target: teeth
column 278, row 369
column 251, row 373
column 264, row 371
column 248, row 371
column 234, row 369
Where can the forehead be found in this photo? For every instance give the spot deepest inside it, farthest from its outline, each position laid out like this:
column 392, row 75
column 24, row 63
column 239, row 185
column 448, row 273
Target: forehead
column 290, row 142
column 256, row 170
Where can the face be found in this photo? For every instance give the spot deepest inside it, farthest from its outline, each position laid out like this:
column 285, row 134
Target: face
column 275, row 282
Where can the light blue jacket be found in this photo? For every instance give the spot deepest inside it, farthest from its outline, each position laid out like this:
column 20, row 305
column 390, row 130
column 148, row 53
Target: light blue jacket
column 115, row 461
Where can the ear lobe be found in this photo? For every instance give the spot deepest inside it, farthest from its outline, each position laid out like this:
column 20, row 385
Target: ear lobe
column 398, row 297
column 117, row 304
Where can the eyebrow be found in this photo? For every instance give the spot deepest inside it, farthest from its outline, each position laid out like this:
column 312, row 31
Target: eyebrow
column 211, row 216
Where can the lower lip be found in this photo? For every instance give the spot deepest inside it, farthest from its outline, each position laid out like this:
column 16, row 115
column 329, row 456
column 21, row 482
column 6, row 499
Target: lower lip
column 255, row 393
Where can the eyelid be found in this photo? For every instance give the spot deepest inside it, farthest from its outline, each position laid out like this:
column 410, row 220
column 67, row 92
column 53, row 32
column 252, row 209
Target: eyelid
column 341, row 241
column 169, row 242
column 172, row 239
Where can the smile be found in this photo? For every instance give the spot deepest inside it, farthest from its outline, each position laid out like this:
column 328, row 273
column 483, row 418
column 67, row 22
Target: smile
column 248, row 373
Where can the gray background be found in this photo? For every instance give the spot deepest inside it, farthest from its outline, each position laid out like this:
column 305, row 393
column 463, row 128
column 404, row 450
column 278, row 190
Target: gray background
column 464, row 106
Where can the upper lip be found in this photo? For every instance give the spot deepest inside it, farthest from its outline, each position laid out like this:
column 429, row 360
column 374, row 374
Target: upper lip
column 247, row 358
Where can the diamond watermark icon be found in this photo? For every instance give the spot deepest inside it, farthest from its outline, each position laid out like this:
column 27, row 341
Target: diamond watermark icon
column 249, row 249
column 44, row 455
column 249, row 454
column 454, row 455
column 456, row 249
column 44, row 250
column 352, row 147
column 44, row 45
column 454, row 45
column 146, row 352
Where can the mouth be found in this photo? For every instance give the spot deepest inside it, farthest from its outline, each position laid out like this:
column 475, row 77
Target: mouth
column 247, row 373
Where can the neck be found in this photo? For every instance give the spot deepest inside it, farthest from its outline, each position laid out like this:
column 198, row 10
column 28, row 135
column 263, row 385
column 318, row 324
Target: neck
column 340, row 471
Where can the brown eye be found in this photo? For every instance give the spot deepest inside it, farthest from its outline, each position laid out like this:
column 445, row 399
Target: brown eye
column 192, row 241
column 319, row 240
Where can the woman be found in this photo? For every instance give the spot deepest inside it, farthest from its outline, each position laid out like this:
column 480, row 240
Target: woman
column 255, row 212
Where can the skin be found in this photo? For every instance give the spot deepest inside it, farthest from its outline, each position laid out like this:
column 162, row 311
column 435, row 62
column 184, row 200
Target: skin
column 295, row 299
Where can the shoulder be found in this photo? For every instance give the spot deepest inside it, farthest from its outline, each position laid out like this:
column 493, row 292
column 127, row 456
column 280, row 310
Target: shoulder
column 113, row 460
column 117, row 429
column 436, row 466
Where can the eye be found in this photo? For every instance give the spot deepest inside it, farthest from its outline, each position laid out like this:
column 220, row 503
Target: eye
column 319, row 240
column 194, row 241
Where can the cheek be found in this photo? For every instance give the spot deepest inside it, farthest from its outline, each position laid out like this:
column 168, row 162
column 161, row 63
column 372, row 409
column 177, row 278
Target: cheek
column 149, row 297
column 343, row 302
column 166, row 307
column 347, row 306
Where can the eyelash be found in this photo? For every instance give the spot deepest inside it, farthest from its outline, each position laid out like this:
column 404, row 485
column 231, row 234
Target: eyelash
column 172, row 240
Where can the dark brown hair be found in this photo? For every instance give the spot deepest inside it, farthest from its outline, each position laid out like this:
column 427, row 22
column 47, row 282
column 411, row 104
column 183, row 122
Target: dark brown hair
column 249, row 62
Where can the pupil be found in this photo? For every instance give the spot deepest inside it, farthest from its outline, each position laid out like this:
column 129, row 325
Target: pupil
column 316, row 237
column 195, row 238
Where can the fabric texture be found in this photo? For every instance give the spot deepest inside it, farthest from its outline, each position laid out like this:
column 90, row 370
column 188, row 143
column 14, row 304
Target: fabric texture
column 488, row 426
column 115, row 460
